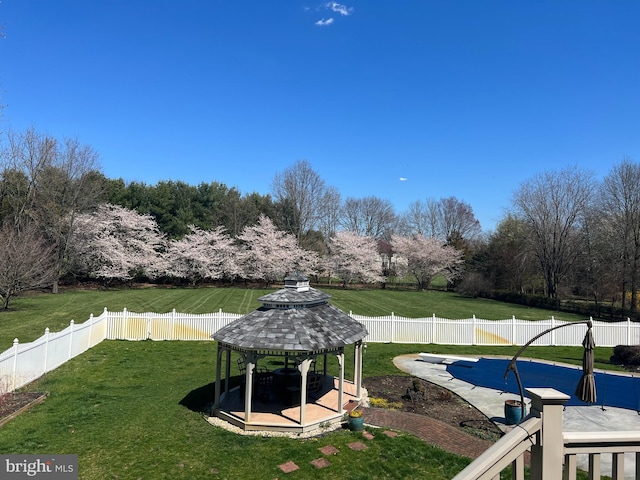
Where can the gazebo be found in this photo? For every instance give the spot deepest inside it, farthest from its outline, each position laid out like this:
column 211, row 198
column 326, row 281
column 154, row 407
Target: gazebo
column 298, row 326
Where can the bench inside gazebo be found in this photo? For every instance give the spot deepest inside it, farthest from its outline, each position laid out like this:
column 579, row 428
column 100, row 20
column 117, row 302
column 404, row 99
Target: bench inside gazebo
column 298, row 331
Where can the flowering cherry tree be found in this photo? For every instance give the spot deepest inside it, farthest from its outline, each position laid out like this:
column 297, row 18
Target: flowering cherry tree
column 425, row 257
column 355, row 258
column 204, row 255
column 117, row 243
column 268, row 254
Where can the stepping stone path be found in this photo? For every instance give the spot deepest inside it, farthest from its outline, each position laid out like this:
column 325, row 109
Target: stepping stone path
column 328, row 450
column 289, row 467
column 357, row 446
column 320, row 462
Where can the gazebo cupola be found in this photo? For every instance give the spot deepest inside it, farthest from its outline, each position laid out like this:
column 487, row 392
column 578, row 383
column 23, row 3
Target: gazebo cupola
column 298, row 282
column 296, row 323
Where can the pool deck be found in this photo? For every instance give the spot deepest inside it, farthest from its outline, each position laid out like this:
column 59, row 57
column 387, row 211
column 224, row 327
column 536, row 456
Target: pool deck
column 591, row 418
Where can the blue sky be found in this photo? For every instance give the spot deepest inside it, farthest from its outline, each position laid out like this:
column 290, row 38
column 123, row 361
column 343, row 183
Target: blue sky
column 405, row 100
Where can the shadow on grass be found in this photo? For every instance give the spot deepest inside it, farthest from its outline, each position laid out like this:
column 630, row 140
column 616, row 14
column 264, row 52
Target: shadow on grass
column 199, row 399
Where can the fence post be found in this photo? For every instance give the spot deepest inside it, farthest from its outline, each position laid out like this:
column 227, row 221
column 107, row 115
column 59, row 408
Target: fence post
column 553, row 332
column 90, row 331
column 109, row 327
column 433, row 328
column 473, row 330
column 15, row 363
column 393, row 327
column 125, row 327
column 71, row 323
column 46, row 349
column 513, row 329
column 173, row 325
column 628, row 330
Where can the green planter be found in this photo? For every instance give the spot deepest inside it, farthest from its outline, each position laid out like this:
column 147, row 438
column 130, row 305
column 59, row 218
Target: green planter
column 356, row 423
column 513, row 412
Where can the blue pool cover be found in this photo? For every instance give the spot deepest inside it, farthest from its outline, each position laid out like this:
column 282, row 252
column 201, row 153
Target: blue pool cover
column 621, row 391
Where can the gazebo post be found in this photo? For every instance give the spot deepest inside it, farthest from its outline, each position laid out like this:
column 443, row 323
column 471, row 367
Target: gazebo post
column 248, row 387
column 341, row 382
column 216, row 401
column 227, row 371
column 304, row 370
column 357, row 366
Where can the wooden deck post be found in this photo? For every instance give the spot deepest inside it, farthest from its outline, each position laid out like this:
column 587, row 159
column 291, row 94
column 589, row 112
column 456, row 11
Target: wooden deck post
column 548, row 453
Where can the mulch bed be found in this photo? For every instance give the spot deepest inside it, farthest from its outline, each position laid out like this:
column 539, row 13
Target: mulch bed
column 15, row 403
column 415, row 395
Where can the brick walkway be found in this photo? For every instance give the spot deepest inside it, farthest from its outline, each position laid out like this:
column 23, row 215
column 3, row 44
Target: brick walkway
column 429, row 429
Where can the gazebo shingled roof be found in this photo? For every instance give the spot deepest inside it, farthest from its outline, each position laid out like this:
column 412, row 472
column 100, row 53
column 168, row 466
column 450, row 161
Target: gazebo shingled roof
column 298, row 319
column 310, row 329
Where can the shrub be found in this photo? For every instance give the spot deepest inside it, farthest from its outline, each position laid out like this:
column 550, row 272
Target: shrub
column 445, row 395
column 626, row 355
column 384, row 403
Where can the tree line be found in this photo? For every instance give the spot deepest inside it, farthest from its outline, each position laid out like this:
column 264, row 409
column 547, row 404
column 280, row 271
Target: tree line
column 566, row 235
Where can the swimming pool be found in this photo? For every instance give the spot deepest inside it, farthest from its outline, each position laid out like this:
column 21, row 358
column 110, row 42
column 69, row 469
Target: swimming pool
column 613, row 390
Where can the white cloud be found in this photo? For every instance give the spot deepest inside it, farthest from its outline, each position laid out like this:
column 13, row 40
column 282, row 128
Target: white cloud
column 324, row 23
column 339, row 8
column 403, row 179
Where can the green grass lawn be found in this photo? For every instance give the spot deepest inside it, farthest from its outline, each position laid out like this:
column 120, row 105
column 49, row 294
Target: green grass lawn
column 118, row 407
column 125, row 409
column 31, row 314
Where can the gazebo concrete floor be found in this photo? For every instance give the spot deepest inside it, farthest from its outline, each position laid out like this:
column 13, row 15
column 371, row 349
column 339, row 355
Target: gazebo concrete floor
column 274, row 415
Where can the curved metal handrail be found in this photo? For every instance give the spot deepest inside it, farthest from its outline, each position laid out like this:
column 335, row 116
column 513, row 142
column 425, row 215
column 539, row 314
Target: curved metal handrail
column 513, row 366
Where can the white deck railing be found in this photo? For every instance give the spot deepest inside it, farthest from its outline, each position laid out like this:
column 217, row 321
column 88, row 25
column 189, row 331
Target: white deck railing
column 508, row 451
column 554, row 453
column 597, row 444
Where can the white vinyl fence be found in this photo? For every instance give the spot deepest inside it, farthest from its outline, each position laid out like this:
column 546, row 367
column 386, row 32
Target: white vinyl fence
column 23, row 363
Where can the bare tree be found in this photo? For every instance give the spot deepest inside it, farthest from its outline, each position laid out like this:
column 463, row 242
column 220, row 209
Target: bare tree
column 620, row 213
column 26, row 262
column 597, row 273
column 329, row 217
column 25, row 158
column 553, row 205
column 447, row 219
column 69, row 187
column 48, row 183
column 510, row 263
column 368, row 216
column 421, row 218
column 458, row 220
column 301, row 189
